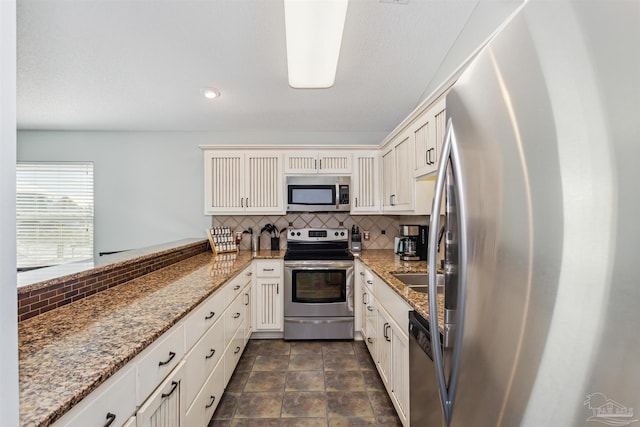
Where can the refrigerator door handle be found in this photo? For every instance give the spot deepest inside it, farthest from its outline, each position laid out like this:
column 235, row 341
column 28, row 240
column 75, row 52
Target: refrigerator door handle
column 449, row 158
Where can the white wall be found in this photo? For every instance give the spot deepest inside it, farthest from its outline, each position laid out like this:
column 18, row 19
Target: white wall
column 8, row 295
column 148, row 186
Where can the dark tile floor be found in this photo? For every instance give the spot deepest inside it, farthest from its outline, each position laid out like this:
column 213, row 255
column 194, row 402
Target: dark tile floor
column 305, row 384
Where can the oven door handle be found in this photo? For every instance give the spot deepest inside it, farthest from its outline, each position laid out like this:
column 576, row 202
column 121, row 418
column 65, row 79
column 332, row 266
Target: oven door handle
column 318, row 265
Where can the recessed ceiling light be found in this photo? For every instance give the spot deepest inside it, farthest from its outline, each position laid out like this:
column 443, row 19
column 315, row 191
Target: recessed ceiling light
column 314, row 35
column 210, row 92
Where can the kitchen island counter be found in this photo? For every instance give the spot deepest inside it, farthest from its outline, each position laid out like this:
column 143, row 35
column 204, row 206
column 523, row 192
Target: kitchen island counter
column 66, row 353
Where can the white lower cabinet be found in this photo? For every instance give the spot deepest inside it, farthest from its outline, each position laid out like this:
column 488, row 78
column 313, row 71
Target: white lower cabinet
column 112, row 405
column 385, row 331
column 269, row 298
column 203, row 358
column 166, row 406
column 179, row 379
column 208, row 399
column 158, row 360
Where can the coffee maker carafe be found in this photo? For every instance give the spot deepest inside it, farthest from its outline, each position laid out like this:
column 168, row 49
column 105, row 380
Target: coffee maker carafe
column 412, row 245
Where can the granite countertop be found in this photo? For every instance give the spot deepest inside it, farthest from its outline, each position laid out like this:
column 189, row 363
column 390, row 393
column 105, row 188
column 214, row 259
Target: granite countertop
column 384, row 262
column 67, row 353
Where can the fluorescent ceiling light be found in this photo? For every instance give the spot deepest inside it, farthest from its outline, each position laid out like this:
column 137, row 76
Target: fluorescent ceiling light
column 314, row 34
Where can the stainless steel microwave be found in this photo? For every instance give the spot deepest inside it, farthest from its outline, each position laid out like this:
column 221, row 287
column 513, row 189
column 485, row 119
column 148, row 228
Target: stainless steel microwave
column 318, row 193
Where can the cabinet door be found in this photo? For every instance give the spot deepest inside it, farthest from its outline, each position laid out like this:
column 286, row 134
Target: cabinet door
column 404, row 167
column 334, row 162
column 248, row 312
column 207, row 400
column 429, row 131
column 365, row 184
column 400, row 372
column 166, row 406
column 223, row 183
column 384, row 346
column 298, row 162
column 388, row 178
column 268, row 303
column 203, row 358
column 263, row 192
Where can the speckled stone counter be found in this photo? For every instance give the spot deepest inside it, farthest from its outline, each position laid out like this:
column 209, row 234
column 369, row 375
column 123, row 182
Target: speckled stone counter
column 68, row 352
column 385, row 262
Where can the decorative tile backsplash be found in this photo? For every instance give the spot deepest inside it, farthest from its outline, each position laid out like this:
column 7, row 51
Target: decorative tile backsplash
column 382, row 228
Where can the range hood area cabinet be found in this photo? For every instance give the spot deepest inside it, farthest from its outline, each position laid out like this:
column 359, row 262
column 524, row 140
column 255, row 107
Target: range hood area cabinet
column 243, row 182
column 315, row 162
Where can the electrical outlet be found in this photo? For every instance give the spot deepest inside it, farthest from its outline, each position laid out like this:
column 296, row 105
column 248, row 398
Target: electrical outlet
column 365, row 235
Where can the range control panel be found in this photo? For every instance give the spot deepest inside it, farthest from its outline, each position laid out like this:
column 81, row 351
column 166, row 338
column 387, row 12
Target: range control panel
column 318, row 235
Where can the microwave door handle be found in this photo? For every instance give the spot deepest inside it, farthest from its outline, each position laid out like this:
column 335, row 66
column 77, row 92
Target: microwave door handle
column 337, row 195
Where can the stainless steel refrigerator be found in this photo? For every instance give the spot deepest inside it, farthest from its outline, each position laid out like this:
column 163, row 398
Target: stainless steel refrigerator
column 541, row 166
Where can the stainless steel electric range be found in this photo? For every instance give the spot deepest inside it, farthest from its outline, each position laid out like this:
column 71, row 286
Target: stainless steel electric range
column 318, row 284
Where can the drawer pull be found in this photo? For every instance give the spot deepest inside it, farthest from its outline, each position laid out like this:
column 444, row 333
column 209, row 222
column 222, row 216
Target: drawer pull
column 210, row 355
column 365, row 301
column 362, row 273
column 236, row 287
column 248, row 300
column 369, row 308
column 369, row 340
column 237, row 350
column 235, row 316
column 249, row 273
column 211, row 314
column 110, row 419
column 174, row 386
column 171, row 356
column 213, row 399
column 268, row 269
column 370, row 282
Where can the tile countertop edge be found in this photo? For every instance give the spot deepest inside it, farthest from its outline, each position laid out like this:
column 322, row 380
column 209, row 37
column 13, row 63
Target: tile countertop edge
column 384, row 262
column 42, row 339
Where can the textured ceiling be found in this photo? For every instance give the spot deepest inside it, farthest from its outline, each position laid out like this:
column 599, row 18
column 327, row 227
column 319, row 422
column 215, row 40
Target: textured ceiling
column 140, row 64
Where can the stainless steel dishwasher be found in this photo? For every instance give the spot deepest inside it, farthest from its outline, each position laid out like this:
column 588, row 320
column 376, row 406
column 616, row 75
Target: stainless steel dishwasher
column 424, row 399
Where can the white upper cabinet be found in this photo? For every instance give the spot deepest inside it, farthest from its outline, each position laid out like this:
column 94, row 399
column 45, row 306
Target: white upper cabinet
column 428, row 130
column 243, row 182
column 313, row 162
column 398, row 183
column 364, row 183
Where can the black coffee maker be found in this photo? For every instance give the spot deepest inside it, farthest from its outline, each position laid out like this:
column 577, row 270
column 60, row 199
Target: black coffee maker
column 413, row 242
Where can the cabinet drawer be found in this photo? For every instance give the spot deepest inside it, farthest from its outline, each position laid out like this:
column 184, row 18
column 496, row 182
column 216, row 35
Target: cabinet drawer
column 234, row 288
column 271, row 268
column 395, row 306
column 158, row 361
column 203, row 317
column 206, row 402
column 202, row 359
column 232, row 355
column 113, row 399
column 166, row 406
column 233, row 318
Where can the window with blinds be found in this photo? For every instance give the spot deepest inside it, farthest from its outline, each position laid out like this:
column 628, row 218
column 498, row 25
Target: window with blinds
column 54, row 213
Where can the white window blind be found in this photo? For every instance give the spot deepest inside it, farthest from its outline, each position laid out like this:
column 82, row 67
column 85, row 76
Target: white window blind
column 54, row 208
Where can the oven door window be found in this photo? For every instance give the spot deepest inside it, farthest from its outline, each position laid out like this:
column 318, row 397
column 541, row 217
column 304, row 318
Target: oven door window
column 319, row 286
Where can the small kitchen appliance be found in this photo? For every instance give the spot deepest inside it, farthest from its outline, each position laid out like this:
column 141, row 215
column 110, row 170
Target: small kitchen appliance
column 412, row 245
column 318, row 194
